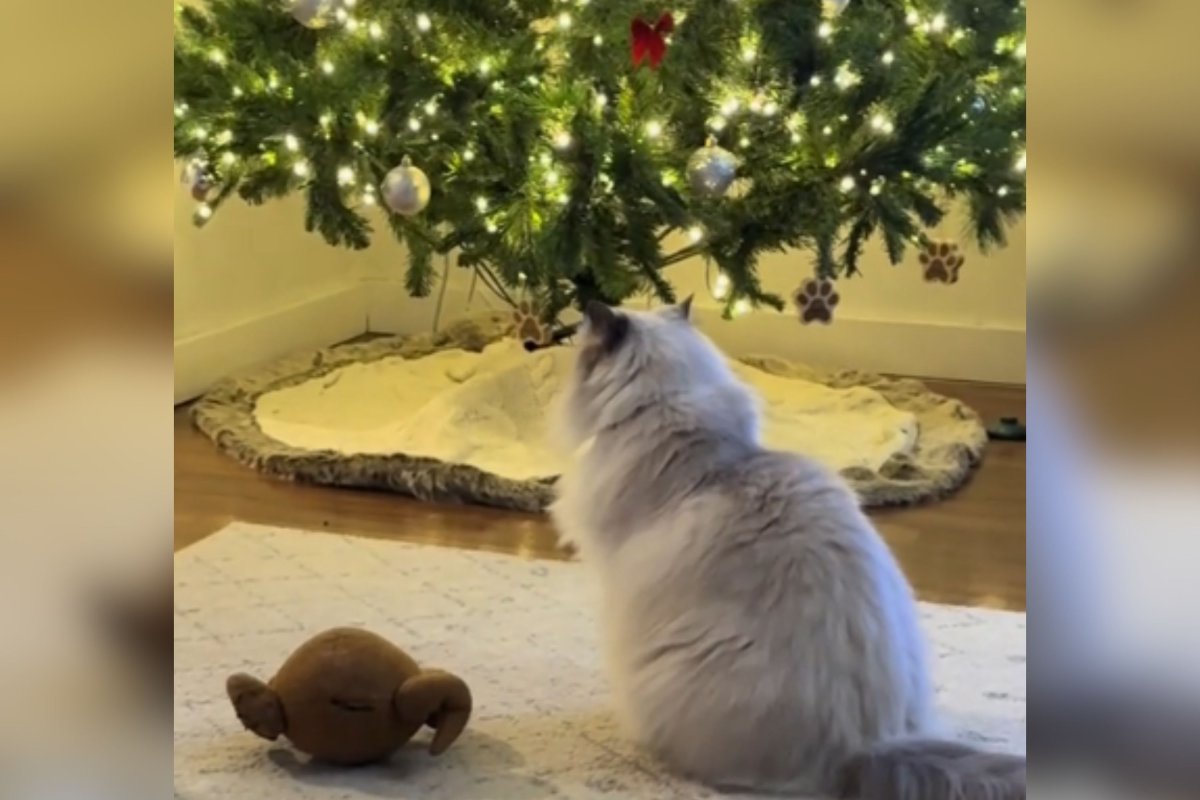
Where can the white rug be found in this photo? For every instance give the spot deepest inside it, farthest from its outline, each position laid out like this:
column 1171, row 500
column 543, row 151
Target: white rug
column 489, row 410
column 522, row 633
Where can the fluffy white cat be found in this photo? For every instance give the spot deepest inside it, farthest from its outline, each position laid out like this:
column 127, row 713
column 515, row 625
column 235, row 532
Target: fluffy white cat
column 759, row 633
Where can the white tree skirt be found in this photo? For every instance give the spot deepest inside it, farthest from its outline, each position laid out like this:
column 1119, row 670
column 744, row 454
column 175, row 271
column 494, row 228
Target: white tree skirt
column 490, row 409
column 522, row 633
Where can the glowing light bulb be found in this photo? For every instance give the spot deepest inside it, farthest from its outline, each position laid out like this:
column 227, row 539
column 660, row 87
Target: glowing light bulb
column 1020, row 165
column 749, row 54
column 825, row 30
column 485, row 66
column 795, row 137
column 601, row 100
column 815, row 80
column 217, row 56
column 301, row 169
column 224, row 137
column 368, row 197
column 482, row 204
column 229, row 159
column 730, row 107
column 938, row 23
column 876, row 188
column 346, row 177
column 181, row 109
column 352, row 24
column 424, row 23
column 771, row 109
column 291, row 142
column 341, row 14
column 847, row 184
column 490, row 226
column 327, row 67
column 913, row 18
column 237, row 91
column 827, row 130
column 654, row 129
column 468, row 155
column 958, row 35
column 846, row 77
column 552, row 178
column 1002, row 191
column 199, row 133
column 204, row 211
column 562, row 140
column 744, row 142
column 1020, row 51
column 597, row 40
column 564, row 20
column 741, row 308
column 695, row 233
column 718, row 123
column 375, row 31
column 880, row 122
column 721, row 286
column 888, row 58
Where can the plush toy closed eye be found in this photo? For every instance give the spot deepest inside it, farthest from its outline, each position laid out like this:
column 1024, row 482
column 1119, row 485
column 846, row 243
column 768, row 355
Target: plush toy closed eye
column 348, row 696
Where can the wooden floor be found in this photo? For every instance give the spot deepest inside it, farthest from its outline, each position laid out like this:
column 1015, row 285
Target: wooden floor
column 968, row 550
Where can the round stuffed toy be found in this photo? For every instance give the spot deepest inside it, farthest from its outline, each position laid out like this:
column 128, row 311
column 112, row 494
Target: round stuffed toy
column 349, row 697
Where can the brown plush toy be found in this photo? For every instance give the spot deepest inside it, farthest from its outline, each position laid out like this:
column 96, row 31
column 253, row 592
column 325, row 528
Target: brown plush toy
column 349, row 697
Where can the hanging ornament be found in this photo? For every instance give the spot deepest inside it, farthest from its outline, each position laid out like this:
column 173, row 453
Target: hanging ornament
column 649, row 43
column 313, row 13
column 815, row 300
column 197, row 178
column 941, row 262
column 832, row 8
column 406, row 189
column 711, row 169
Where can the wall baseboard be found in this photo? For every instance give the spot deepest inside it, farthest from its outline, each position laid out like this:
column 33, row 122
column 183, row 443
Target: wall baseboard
column 204, row 359
column 974, row 353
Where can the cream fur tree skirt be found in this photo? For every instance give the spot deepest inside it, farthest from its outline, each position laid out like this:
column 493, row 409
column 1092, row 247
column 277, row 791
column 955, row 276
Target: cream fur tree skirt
column 462, row 416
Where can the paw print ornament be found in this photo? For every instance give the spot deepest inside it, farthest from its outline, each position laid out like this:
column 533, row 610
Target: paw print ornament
column 815, row 300
column 941, row 262
column 531, row 331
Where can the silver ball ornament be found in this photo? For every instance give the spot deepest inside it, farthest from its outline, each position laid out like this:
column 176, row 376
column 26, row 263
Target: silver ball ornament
column 711, row 170
column 406, row 189
column 313, row 13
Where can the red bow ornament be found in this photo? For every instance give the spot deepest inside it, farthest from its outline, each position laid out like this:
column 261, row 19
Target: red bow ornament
column 650, row 43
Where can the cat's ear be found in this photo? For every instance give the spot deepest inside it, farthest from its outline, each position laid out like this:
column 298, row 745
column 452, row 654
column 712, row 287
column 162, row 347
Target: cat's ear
column 681, row 311
column 606, row 328
column 684, row 309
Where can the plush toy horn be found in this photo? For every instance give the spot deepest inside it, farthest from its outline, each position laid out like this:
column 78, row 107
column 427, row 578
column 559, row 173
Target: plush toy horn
column 437, row 699
column 257, row 706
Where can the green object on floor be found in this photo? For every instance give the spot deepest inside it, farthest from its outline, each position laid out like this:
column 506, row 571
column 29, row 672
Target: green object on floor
column 1008, row 429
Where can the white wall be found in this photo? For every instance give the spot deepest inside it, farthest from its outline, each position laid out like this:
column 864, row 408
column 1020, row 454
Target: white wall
column 253, row 285
column 889, row 320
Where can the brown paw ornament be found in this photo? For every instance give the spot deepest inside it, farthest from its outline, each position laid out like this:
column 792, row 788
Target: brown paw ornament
column 941, row 262
column 815, row 300
column 349, row 697
column 528, row 328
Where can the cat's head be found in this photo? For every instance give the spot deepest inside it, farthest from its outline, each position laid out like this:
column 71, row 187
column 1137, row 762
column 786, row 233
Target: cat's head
column 631, row 360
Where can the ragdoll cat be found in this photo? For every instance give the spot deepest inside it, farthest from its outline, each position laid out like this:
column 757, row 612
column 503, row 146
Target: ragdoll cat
column 759, row 633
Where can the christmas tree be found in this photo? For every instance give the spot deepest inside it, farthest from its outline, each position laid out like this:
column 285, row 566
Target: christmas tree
column 578, row 149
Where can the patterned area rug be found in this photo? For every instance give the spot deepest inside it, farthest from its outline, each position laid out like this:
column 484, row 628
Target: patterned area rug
column 522, row 633
column 430, row 417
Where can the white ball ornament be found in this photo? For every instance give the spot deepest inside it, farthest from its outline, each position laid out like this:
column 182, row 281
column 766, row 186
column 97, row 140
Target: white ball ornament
column 711, row 169
column 406, row 189
column 313, row 13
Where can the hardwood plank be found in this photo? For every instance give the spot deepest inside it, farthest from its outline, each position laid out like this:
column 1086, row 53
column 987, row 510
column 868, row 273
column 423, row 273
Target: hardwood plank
column 968, row 549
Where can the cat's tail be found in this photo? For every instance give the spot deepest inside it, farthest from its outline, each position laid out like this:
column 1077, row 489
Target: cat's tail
column 929, row 769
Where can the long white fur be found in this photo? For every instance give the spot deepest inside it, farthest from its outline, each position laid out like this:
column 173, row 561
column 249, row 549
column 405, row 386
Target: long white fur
column 759, row 633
